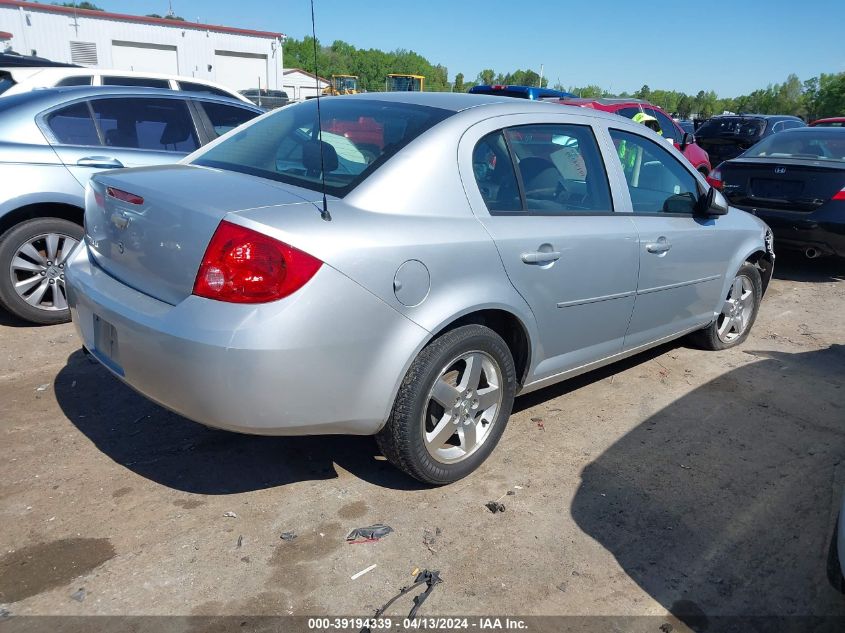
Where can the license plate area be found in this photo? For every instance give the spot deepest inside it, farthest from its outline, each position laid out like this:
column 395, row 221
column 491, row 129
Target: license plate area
column 106, row 347
column 772, row 188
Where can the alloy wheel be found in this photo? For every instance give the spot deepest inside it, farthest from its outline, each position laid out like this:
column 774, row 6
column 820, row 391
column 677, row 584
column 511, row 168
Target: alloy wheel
column 38, row 270
column 737, row 310
column 462, row 407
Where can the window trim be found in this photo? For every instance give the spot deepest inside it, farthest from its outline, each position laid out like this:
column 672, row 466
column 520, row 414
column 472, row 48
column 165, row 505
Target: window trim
column 525, row 211
column 659, row 214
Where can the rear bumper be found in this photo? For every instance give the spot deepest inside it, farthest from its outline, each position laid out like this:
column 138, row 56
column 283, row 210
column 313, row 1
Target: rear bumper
column 327, row 359
column 794, row 231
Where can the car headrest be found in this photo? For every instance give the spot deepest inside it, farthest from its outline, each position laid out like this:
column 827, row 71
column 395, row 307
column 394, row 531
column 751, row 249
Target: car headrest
column 311, row 157
column 174, row 132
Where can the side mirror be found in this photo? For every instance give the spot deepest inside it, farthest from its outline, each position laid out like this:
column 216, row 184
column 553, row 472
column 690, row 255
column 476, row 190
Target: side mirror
column 687, row 140
column 711, row 203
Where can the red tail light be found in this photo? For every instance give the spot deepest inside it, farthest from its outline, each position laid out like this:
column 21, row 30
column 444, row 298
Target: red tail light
column 243, row 266
column 715, row 178
column 125, row 196
column 840, row 195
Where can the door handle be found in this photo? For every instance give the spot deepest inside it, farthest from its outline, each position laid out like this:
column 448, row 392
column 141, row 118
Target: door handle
column 103, row 162
column 662, row 245
column 541, row 257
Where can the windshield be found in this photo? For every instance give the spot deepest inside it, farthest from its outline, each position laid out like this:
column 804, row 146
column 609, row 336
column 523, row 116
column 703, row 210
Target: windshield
column 6, row 82
column 357, row 136
column 818, row 144
column 404, row 83
column 746, row 127
column 345, row 83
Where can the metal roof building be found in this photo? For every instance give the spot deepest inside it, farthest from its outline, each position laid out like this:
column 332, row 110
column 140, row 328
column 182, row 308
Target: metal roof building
column 237, row 58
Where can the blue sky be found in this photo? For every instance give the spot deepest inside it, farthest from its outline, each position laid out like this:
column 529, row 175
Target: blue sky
column 729, row 47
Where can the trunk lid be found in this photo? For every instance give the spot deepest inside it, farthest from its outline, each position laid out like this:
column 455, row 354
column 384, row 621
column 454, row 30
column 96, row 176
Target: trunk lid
column 781, row 184
column 156, row 246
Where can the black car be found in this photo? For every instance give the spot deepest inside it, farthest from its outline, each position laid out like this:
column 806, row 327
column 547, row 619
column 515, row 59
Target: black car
column 727, row 136
column 267, row 99
column 11, row 58
column 795, row 182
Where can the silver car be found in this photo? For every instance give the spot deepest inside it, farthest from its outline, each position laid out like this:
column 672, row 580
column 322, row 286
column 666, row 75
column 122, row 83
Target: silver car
column 52, row 141
column 404, row 266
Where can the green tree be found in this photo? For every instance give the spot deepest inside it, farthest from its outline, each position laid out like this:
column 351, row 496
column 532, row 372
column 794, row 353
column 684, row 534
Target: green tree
column 643, row 93
column 79, row 5
column 459, row 83
column 486, row 77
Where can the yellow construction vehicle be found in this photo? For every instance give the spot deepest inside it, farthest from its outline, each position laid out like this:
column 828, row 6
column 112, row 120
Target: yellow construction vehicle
column 342, row 85
column 404, row 83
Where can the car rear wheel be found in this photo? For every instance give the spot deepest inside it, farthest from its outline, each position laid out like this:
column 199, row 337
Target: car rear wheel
column 33, row 256
column 737, row 314
column 452, row 406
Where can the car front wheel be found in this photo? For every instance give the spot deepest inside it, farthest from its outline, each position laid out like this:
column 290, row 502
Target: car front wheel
column 737, row 313
column 452, row 406
column 33, row 255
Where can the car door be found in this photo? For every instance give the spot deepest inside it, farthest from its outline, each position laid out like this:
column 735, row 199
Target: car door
column 541, row 190
column 131, row 131
column 681, row 256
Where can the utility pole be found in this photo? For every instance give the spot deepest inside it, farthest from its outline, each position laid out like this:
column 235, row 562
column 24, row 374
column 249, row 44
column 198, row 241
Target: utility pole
column 540, row 85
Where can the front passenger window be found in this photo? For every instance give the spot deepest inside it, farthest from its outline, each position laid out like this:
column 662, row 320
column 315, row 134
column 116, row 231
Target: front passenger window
column 657, row 182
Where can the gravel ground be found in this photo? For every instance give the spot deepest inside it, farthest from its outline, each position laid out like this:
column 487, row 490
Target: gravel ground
column 679, row 481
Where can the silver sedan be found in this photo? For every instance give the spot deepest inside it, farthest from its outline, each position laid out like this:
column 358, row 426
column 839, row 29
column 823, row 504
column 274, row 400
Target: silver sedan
column 405, row 264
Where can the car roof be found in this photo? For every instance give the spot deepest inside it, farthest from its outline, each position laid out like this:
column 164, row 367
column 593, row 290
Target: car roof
column 809, row 129
column 43, row 98
column 463, row 101
column 752, row 115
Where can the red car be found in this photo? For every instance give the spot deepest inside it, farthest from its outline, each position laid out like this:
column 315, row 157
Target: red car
column 835, row 121
column 630, row 107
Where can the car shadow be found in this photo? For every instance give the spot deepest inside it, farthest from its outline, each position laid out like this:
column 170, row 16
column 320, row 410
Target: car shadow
column 723, row 503
column 180, row 454
column 794, row 267
column 569, row 385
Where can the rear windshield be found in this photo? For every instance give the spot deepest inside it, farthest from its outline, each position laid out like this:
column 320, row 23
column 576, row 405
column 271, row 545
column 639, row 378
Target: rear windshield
column 358, row 135
column 745, row 127
column 830, row 124
column 6, row 81
column 818, row 144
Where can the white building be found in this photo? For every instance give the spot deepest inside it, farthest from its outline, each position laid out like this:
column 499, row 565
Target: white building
column 237, row 58
column 300, row 84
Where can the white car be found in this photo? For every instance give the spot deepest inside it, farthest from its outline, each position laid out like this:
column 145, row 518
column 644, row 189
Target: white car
column 15, row 80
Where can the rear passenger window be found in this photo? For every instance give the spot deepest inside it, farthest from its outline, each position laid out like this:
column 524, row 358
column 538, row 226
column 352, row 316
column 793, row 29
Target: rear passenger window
column 146, row 82
column 494, row 174
column 190, row 86
column 656, row 181
column 225, row 117
column 78, row 80
column 73, row 125
column 143, row 123
column 560, row 169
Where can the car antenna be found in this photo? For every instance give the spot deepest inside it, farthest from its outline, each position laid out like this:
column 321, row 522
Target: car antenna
column 325, row 212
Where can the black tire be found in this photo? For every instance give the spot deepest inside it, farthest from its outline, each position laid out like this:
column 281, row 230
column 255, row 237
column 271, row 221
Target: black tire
column 10, row 242
column 708, row 338
column 401, row 440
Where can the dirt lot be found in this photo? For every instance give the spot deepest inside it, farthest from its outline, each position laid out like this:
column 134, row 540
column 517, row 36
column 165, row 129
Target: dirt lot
column 681, row 481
